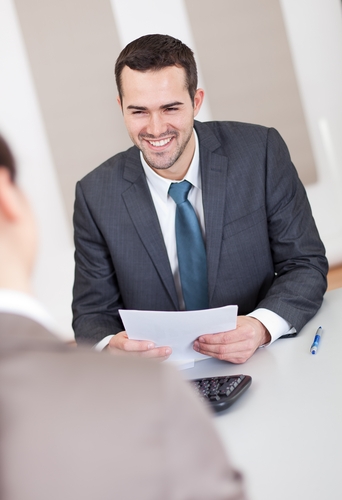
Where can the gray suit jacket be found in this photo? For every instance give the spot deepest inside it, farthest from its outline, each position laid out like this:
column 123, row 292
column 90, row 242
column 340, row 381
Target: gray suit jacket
column 76, row 424
column 263, row 248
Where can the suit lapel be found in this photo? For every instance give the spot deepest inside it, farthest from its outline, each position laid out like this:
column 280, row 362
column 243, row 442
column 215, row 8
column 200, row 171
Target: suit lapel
column 140, row 207
column 214, row 174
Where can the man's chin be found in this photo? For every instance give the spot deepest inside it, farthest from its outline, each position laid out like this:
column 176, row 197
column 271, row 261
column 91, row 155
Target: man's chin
column 161, row 165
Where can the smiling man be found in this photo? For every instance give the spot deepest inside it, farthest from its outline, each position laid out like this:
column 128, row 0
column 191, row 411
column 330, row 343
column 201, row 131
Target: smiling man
column 195, row 215
column 162, row 128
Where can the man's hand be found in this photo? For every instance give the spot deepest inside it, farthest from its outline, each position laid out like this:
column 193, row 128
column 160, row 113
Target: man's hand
column 236, row 345
column 120, row 344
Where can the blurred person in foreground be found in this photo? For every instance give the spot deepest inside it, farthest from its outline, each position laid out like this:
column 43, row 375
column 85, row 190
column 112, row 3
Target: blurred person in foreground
column 76, row 424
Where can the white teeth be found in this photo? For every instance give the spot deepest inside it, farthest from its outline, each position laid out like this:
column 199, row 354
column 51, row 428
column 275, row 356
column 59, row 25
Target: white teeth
column 160, row 143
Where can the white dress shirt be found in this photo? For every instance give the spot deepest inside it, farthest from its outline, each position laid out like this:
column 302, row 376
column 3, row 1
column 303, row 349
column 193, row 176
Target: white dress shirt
column 166, row 211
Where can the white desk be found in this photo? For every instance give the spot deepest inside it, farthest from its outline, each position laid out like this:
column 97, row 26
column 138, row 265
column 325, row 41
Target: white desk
column 285, row 432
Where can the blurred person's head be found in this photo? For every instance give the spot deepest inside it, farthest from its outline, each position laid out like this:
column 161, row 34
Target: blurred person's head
column 18, row 236
column 155, row 52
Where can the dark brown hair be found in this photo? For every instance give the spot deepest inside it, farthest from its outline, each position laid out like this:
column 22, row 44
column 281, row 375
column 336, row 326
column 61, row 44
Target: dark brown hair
column 154, row 52
column 6, row 158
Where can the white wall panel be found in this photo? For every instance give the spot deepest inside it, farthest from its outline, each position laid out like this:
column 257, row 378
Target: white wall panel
column 315, row 35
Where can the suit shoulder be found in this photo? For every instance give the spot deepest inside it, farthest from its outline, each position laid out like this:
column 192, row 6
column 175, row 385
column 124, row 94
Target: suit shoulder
column 227, row 136
column 233, row 128
column 110, row 167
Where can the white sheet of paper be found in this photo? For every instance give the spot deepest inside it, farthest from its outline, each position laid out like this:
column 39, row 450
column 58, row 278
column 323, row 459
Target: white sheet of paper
column 178, row 329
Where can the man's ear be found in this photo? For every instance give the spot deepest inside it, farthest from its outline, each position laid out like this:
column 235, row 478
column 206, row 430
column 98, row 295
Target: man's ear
column 118, row 100
column 10, row 204
column 198, row 100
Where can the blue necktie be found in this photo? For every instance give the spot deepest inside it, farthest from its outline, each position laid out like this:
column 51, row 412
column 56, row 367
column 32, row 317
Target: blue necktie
column 192, row 260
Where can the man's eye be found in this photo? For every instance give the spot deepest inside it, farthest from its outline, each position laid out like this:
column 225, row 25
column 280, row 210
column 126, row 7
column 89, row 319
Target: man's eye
column 171, row 109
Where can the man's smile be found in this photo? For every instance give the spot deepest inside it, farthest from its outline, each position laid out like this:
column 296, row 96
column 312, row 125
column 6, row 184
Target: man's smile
column 161, row 142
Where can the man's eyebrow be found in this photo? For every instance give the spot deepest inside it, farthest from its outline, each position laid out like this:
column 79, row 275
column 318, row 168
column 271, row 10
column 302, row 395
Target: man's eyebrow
column 171, row 105
column 140, row 108
column 164, row 106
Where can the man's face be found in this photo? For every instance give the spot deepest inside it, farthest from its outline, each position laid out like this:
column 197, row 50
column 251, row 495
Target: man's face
column 159, row 117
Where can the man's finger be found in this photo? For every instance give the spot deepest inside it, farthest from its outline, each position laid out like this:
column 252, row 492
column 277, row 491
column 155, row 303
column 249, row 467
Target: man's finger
column 212, row 349
column 224, row 354
column 219, row 338
column 121, row 341
column 137, row 345
column 159, row 353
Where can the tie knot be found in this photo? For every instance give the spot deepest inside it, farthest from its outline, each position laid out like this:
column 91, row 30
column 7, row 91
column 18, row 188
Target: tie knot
column 179, row 191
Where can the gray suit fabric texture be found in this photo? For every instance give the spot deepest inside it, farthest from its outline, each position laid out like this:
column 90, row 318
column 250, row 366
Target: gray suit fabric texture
column 263, row 247
column 76, row 424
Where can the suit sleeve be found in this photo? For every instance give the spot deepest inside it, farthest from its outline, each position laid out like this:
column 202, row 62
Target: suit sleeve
column 196, row 466
column 298, row 253
column 96, row 295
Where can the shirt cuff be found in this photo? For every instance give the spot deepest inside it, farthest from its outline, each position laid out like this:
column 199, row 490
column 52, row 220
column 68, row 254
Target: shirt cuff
column 275, row 324
column 103, row 343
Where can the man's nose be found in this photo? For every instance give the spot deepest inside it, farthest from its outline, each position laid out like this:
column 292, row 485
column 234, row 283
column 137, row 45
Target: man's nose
column 156, row 126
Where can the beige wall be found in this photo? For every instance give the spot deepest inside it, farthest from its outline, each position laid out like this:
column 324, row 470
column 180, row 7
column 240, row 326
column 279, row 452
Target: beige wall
column 72, row 46
column 248, row 70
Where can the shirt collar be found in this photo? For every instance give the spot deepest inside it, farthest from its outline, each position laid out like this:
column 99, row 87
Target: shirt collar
column 22, row 304
column 162, row 185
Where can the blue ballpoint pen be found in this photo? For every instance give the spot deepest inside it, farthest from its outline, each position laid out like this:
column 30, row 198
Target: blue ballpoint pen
column 315, row 343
